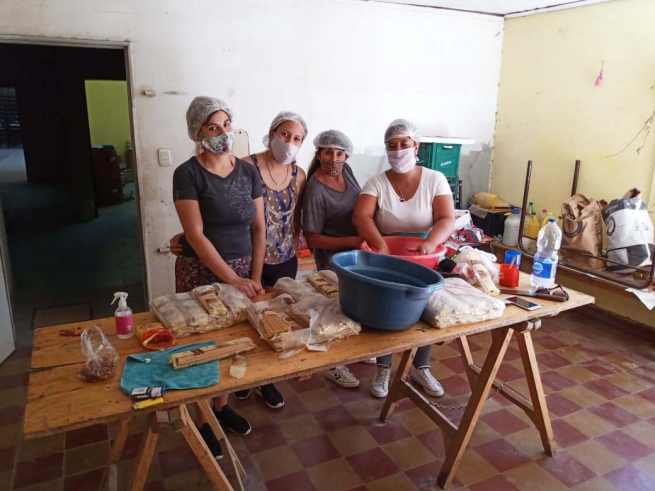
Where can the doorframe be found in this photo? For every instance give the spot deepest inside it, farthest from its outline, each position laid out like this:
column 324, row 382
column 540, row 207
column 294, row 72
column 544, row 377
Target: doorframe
column 127, row 48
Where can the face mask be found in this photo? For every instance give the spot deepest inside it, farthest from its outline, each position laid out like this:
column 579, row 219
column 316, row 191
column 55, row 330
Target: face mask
column 284, row 152
column 332, row 167
column 402, row 161
column 220, row 144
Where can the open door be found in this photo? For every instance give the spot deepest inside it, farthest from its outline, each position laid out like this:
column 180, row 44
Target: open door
column 7, row 340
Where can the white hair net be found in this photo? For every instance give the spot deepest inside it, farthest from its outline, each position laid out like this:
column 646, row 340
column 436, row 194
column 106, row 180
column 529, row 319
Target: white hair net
column 334, row 139
column 401, row 127
column 281, row 118
column 200, row 109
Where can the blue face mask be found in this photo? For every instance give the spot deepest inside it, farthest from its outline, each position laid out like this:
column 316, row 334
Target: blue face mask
column 220, row 144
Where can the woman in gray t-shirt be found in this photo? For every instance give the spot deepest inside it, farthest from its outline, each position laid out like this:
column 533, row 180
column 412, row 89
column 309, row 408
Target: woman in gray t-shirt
column 328, row 203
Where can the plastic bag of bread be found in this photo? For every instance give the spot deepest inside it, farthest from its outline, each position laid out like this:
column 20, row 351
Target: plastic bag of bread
column 297, row 289
column 235, row 301
column 182, row 314
column 154, row 336
column 460, row 303
column 325, row 319
column 224, row 303
column 484, row 267
column 273, row 322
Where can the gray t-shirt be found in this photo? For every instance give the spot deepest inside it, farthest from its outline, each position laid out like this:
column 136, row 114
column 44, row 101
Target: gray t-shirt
column 226, row 205
column 327, row 211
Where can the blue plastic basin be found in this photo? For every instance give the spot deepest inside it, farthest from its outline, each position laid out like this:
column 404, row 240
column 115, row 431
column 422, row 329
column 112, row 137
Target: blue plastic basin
column 383, row 292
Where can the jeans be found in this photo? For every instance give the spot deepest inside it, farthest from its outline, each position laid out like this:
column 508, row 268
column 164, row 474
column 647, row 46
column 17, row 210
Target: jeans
column 422, row 358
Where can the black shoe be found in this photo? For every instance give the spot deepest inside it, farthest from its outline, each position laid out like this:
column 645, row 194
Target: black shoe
column 232, row 421
column 271, row 396
column 242, row 394
column 212, row 442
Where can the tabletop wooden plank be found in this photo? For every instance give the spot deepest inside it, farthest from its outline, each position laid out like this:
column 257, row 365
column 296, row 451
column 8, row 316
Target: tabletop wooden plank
column 59, row 401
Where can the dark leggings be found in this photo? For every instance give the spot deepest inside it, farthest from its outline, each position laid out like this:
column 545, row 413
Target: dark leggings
column 422, row 358
column 273, row 272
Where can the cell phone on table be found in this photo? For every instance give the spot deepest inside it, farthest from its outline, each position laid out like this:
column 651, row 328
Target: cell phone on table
column 523, row 303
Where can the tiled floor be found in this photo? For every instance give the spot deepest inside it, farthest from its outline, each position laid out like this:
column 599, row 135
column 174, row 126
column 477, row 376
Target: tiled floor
column 600, row 385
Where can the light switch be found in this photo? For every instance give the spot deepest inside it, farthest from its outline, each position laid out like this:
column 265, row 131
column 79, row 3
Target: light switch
column 165, row 157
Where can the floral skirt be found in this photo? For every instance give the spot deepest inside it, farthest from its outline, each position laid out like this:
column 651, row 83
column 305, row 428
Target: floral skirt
column 190, row 273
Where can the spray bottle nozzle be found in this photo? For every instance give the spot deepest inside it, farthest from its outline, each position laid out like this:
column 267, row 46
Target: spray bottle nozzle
column 122, row 299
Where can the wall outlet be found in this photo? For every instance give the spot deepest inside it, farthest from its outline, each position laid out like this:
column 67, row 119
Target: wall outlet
column 165, row 157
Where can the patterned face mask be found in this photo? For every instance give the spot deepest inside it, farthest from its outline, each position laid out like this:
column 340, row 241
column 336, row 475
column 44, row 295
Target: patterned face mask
column 284, row 152
column 332, row 167
column 220, row 144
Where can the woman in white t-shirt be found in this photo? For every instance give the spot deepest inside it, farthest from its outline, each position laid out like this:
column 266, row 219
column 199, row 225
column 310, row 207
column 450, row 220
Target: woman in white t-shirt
column 405, row 200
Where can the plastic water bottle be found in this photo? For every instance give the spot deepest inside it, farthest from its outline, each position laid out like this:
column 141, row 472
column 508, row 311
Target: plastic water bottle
column 544, row 266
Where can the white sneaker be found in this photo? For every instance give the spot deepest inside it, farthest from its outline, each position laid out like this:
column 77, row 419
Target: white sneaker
column 425, row 379
column 380, row 383
column 342, row 376
column 370, row 361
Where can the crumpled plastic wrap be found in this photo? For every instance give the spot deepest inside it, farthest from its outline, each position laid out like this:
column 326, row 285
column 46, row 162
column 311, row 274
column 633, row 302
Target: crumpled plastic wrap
column 313, row 322
column 460, row 303
column 488, row 260
column 180, row 313
column 326, row 320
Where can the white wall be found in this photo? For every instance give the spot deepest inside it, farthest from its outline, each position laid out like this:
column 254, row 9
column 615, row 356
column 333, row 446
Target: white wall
column 345, row 64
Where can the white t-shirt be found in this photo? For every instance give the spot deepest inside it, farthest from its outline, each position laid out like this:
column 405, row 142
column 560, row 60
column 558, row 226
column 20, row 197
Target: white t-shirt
column 412, row 216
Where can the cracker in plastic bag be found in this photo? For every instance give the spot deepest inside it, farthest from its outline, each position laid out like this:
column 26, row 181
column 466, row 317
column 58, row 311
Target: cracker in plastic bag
column 181, row 314
column 235, row 301
column 330, row 323
column 207, row 297
column 324, row 283
column 101, row 356
column 460, row 303
column 297, row 289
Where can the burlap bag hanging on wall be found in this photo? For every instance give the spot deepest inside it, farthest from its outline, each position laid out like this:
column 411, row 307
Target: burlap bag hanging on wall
column 582, row 231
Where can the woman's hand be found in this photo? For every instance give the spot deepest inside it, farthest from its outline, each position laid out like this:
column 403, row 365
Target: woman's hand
column 426, row 247
column 175, row 244
column 356, row 242
column 248, row 287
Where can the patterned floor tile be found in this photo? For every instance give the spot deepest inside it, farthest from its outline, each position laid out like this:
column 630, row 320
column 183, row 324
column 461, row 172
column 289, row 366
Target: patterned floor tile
column 298, row 481
column 567, row 469
column 614, row 414
column 300, row 428
column 372, row 465
column 315, row 451
column 624, row 445
column 597, row 457
column 39, row 470
column 397, row 482
column 502, row 455
column 336, row 474
column 631, row 478
column 408, row 453
column 504, row 422
column 567, row 435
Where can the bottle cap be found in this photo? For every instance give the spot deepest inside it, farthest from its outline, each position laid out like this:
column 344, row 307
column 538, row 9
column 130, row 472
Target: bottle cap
column 552, row 220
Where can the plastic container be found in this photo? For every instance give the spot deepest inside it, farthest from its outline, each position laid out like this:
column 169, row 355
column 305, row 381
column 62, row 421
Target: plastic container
column 381, row 291
column 443, row 157
column 544, row 265
column 508, row 275
column 398, row 245
column 548, row 215
column 513, row 256
column 511, row 229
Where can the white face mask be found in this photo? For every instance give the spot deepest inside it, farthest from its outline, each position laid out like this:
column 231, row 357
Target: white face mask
column 402, row 161
column 284, row 152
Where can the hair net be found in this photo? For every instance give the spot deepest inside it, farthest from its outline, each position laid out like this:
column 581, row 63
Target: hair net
column 281, row 118
column 200, row 109
column 402, row 127
column 334, row 139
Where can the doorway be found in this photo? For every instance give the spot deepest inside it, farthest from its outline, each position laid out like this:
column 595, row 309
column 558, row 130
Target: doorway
column 68, row 187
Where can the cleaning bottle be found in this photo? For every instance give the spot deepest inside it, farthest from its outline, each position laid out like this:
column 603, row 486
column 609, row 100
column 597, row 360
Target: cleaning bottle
column 123, row 316
column 544, row 264
column 530, row 208
column 542, row 215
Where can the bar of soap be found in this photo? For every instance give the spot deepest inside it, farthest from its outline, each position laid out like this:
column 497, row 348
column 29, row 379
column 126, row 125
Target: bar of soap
column 238, row 367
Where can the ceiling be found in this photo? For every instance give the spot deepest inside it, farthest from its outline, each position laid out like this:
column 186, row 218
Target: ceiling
column 497, row 7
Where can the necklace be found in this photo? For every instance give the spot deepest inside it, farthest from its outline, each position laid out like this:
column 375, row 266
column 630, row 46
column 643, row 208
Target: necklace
column 401, row 193
column 271, row 174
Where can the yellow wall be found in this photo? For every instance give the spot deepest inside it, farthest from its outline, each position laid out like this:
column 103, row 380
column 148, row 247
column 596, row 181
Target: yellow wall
column 549, row 110
column 109, row 119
